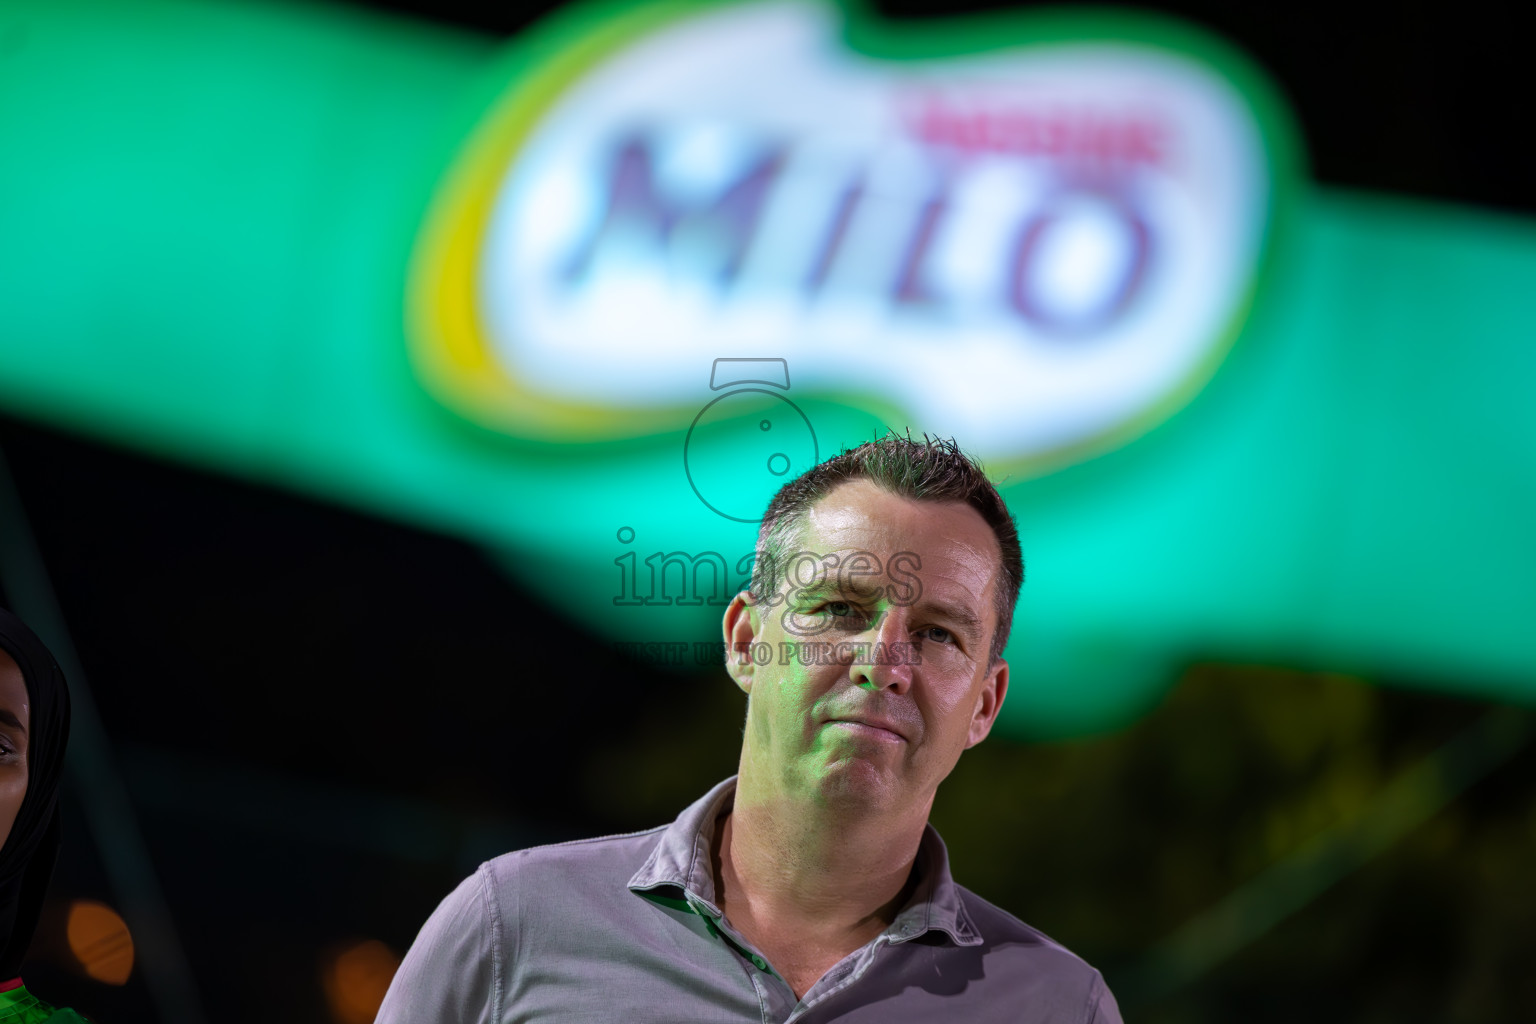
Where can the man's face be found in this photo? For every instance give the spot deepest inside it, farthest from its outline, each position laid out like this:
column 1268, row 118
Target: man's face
column 871, row 672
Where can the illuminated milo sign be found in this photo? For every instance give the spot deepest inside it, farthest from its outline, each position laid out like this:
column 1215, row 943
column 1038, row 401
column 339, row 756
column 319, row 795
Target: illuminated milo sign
column 1039, row 247
column 1072, row 262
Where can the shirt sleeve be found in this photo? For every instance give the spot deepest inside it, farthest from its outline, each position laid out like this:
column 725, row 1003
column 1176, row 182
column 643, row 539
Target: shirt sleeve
column 452, row 973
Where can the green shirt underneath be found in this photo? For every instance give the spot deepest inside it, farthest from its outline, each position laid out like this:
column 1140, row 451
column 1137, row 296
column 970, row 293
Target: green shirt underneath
column 18, row 1006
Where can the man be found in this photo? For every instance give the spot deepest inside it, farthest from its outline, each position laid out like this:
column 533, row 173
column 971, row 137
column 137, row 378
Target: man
column 810, row 887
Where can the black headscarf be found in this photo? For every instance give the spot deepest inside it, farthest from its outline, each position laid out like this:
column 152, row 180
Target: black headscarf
column 26, row 861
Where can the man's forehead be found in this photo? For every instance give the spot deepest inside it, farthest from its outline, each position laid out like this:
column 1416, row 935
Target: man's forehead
column 861, row 518
column 862, row 508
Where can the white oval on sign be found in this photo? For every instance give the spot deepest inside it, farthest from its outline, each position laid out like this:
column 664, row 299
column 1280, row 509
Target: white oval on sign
column 1026, row 249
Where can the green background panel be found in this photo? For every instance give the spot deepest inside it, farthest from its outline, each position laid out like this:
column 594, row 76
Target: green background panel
column 206, row 216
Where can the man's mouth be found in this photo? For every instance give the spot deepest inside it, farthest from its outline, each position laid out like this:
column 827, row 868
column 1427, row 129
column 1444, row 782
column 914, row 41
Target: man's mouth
column 875, row 728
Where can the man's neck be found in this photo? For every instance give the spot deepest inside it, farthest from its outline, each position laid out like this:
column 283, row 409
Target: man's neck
column 808, row 882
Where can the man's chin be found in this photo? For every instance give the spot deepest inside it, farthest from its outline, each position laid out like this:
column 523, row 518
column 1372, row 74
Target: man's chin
column 864, row 783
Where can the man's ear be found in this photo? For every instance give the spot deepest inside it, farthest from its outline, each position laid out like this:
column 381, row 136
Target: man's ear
column 989, row 703
column 741, row 626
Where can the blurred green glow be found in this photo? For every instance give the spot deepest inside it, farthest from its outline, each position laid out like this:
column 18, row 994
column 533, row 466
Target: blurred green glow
column 207, row 216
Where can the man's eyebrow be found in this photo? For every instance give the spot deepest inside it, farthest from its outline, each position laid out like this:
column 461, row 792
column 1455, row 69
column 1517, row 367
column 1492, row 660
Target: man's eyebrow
column 831, row 586
column 959, row 614
column 9, row 718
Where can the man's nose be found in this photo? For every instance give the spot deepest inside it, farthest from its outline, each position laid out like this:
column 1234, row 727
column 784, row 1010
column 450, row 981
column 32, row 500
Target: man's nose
column 885, row 664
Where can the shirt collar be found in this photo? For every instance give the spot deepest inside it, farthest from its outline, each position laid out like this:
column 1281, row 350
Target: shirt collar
column 681, row 860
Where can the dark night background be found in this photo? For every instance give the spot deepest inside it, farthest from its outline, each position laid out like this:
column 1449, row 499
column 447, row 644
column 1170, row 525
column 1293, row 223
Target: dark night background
column 324, row 720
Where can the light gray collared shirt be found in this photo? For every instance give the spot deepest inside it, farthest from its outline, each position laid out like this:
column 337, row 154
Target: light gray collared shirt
column 625, row 928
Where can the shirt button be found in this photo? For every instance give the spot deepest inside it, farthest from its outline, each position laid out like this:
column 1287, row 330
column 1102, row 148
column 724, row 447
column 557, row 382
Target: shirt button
column 760, row 963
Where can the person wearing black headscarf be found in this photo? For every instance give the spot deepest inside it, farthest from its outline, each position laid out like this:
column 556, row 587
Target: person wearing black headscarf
column 35, row 714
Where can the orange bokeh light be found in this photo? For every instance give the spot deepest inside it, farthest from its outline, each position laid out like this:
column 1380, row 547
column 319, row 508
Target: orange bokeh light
column 356, row 979
column 100, row 941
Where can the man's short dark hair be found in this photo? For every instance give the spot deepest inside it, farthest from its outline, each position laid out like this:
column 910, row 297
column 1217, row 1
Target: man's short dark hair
column 928, row 470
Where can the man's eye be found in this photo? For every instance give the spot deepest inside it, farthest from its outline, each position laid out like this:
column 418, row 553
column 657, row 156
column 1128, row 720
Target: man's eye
column 842, row 610
column 938, row 634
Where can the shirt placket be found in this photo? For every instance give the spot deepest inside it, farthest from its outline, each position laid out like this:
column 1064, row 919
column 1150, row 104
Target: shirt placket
column 844, row 973
column 775, row 998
